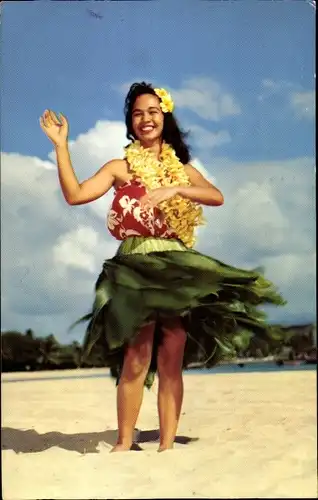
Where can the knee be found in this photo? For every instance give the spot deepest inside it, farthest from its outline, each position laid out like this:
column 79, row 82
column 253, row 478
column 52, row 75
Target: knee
column 136, row 363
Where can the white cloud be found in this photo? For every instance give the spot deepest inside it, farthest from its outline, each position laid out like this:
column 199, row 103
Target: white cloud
column 52, row 253
column 304, row 104
column 204, row 139
column 269, row 207
column 293, row 269
column 257, row 206
column 206, row 98
column 76, row 248
column 295, row 273
column 268, row 219
column 276, row 85
column 270, row 84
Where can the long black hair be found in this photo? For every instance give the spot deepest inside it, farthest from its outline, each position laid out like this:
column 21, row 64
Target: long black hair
column 172, row 133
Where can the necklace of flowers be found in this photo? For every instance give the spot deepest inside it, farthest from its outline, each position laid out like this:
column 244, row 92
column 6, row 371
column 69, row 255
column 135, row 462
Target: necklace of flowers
column 181, row 215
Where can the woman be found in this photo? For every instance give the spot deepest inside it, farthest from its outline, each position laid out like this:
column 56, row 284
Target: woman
column 159, row 305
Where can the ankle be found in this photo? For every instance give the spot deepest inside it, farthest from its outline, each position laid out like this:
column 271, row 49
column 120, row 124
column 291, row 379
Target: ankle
column 163, row 447
column 166, row 445
column 124, row 442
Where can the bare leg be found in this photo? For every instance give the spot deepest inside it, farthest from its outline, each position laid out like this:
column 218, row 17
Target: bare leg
column 130, row 388
column 170, row 395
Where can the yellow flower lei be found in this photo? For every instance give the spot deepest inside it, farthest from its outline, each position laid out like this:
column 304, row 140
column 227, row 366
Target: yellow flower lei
column 181, row 215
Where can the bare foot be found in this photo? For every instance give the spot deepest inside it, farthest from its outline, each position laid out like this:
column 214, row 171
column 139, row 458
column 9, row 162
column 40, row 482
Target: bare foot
column 164, row 448
column 120, row 447
column 125, row 447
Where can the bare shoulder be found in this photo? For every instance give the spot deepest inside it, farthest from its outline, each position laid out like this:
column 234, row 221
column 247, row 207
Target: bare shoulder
column 196, row 178
column 190, row 169
column 119, row 170
column 116, row 168
column 192, row 172
column 115, row 165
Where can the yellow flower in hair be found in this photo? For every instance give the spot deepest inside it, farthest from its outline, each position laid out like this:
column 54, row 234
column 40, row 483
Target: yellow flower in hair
column 166, row 103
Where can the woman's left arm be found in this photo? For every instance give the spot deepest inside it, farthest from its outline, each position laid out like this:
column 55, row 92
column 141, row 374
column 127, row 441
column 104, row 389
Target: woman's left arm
column 201, row 190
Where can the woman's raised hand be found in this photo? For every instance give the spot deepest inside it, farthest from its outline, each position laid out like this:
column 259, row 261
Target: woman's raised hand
column 56, row 129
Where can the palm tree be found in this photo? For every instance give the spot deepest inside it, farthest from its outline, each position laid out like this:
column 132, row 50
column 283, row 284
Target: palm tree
column 49, row 352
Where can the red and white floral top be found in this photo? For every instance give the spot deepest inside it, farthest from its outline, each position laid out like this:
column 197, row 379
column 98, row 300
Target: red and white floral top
column 127, row 218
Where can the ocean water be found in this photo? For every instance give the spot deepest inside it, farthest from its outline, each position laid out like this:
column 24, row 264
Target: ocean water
column 230, row 368
column 254, row 368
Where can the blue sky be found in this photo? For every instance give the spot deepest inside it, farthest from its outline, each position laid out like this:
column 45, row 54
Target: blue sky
column 56, row 54
column 242, row 76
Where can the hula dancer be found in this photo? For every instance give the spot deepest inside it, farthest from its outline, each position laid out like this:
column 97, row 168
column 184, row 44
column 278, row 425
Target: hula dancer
column 159, row 305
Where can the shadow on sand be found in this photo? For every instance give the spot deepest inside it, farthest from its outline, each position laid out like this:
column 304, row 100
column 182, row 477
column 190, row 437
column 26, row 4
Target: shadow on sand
column 30, row 441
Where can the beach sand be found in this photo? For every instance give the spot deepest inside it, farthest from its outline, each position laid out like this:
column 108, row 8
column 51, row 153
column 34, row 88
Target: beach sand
column 240, row 436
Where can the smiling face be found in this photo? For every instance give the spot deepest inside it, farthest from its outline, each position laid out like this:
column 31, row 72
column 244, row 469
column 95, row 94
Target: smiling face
column 147, row 118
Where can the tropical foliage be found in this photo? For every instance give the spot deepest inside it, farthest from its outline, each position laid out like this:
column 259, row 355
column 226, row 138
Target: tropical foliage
column 21, row 352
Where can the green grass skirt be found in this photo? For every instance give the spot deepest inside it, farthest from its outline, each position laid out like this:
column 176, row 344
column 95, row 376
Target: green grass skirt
column 157, row 278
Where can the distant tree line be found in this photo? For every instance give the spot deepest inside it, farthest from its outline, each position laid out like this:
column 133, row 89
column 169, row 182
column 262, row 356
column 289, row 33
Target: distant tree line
column 295, row 342
column 23, row 352
column 27, row 352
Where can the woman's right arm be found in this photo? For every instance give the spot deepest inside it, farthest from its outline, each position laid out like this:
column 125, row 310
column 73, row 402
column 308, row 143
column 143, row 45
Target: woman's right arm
column 75, row 193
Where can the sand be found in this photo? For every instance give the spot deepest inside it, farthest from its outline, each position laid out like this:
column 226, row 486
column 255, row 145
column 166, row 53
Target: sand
column 240, row 436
